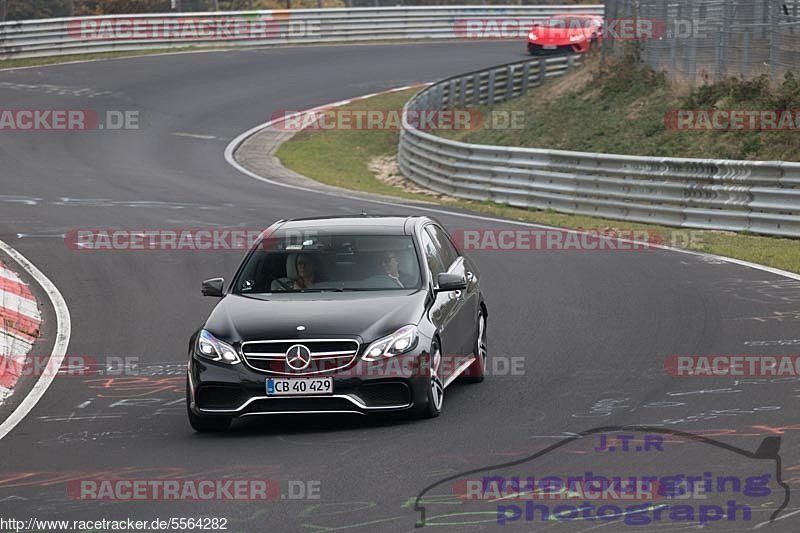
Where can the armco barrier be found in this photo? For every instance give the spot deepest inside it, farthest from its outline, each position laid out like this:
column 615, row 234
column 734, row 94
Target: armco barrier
column 49, row 37
column 756, row 196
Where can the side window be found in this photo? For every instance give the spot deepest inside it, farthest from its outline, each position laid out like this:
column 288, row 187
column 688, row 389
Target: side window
column 446, row 249
column 431, row 254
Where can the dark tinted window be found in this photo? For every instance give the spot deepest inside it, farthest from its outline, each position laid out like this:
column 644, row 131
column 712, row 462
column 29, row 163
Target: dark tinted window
column 446, row 249
column 432, row 257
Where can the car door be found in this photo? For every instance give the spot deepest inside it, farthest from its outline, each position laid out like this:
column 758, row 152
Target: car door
column 443, row 310
column 468, row 300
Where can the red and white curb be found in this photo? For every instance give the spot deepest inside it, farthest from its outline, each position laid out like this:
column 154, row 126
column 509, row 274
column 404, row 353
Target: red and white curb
column 20, row 320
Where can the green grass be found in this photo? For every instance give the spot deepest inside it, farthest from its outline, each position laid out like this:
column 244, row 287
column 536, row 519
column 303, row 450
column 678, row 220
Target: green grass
column 341, row 158
column 620, row 108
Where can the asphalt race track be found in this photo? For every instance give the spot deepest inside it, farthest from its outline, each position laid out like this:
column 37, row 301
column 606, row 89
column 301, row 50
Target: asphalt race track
column 592, row 328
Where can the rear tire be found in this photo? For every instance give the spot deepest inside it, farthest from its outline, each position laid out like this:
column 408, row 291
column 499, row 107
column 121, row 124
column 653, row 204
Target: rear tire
column 203, row 424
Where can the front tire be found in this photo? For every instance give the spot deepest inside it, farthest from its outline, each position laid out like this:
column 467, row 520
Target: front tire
column 476, row 372
column 203, row 424
column 435, row 386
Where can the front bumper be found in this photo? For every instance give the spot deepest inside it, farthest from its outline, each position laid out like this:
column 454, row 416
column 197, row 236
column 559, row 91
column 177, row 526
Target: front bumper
column 538, row 49
column 392, row 385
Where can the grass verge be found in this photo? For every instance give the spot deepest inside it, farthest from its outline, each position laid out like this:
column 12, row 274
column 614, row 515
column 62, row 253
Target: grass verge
column 624, row 107
column 347, row 159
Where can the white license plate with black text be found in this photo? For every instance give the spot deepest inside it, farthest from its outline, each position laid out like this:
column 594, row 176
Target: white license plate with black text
column 299, row 386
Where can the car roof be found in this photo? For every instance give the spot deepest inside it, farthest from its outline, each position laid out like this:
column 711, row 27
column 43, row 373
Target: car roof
column 354, row 225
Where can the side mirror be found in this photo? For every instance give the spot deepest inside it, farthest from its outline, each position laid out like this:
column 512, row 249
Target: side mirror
column 213, row 287
column 446, row 282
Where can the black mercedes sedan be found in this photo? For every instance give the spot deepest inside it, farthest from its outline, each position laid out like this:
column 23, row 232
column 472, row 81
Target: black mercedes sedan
column 361, row 314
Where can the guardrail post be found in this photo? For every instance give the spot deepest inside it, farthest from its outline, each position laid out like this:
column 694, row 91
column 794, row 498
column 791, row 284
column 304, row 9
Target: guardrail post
column 492, row 80
column 542, row 71
column 526, row 72
column 462, row 92
column 774, row 40
column 476, row 89
column 744, row 69
column 510, row 72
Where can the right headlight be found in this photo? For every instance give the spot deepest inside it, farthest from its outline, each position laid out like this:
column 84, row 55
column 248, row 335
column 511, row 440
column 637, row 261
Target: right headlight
column 401, row 341
column 210, row 347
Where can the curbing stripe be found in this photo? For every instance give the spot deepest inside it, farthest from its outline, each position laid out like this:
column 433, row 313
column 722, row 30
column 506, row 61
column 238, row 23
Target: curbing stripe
column 63, row 332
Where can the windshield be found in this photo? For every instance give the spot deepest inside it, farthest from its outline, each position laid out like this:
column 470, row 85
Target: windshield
column 568, row 22
column 330, row 263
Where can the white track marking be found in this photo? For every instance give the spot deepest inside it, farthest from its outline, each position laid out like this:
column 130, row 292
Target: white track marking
column 230, row 150
column 769, row 522
column 198, row 136
column 63, row 332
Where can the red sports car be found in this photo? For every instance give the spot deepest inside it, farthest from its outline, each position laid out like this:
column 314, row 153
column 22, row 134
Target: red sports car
column 565, row 33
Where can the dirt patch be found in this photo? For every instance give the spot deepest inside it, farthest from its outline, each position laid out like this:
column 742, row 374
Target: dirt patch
column 386, row 171
column 572, row 82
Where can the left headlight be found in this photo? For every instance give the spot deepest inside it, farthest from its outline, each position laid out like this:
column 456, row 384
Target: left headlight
column 401, row 341
column 533, row 37
column 576, row 38
column 210, row 347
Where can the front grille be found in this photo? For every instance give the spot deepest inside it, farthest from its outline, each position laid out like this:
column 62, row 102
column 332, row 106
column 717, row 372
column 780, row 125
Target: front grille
column 289, row 405
column 327, row 355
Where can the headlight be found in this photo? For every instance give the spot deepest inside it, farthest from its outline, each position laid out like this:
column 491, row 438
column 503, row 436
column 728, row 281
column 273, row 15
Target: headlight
column 210, row 347
column 533, row 37
column 576, row 38
column 401, row 341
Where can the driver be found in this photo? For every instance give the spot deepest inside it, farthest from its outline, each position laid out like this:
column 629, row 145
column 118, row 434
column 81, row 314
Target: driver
column 306, row 272
column 390, row 267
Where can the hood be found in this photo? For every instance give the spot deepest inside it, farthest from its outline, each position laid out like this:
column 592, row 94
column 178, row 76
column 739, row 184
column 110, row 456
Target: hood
column 557, row 35
column 369, row 315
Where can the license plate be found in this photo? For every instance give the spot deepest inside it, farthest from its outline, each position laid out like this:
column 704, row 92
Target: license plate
column 299, row 386
column 550, row 47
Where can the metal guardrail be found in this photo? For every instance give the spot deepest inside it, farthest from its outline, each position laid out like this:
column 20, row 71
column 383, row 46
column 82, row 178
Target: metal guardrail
column 49, row 37
column 756, row 196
